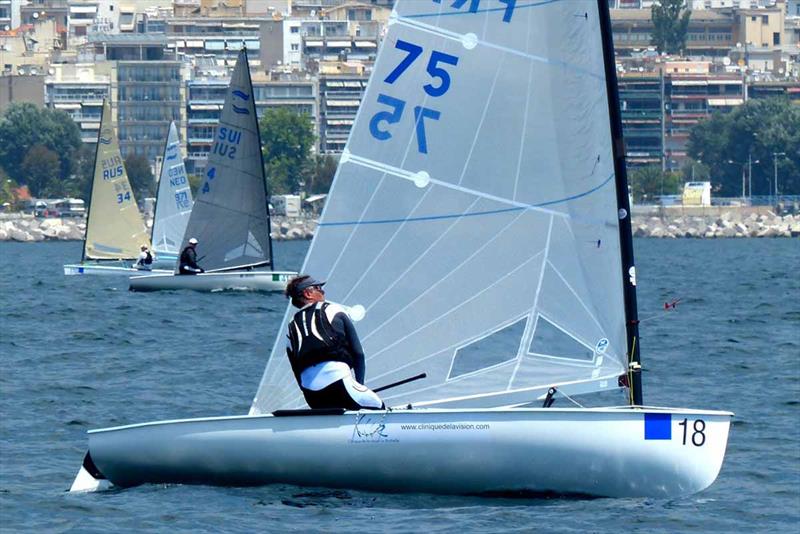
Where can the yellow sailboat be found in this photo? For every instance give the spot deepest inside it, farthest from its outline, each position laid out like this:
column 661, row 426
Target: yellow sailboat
column 115, row 230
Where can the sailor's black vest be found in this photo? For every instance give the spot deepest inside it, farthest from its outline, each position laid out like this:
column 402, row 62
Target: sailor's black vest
column 313, row 340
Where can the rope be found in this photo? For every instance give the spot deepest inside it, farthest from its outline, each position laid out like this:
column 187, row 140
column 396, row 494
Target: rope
column 630, row 372
column 573, row 401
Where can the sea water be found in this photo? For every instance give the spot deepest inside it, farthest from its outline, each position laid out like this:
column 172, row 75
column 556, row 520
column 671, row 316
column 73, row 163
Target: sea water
column 84, row 352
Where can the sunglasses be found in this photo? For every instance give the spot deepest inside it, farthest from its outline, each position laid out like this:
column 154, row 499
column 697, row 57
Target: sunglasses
column 318, row 288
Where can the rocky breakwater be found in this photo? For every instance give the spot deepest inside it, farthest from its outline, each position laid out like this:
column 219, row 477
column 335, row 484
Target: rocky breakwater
column 25, row 228
column 285, row 228
column 726, row 224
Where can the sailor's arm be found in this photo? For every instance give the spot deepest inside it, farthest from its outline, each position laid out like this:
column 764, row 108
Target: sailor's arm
column 342, row 323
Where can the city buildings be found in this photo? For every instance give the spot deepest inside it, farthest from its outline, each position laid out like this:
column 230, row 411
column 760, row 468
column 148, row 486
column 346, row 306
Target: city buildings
column 79, row 89
column 205, row 95
column 161, row 60
column 10, row 14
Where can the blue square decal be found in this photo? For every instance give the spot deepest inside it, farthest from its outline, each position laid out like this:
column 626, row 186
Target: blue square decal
column 657, row 426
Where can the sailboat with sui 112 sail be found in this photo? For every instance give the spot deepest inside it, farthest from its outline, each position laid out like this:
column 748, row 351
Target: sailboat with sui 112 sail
column 479, row 220
column 115, row 230
column 230, row 216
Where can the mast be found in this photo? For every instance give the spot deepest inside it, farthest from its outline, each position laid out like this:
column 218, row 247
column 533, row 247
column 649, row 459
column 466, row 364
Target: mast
column 94, row 171
column 261, row 158
column 624, row 209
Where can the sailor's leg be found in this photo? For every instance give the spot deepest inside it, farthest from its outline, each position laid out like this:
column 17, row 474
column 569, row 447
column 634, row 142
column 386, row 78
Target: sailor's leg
column 362, row 395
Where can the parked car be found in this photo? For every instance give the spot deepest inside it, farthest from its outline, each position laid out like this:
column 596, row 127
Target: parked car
column 40, row 208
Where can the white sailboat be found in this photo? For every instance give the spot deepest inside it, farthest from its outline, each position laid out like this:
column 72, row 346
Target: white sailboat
column 173, row 201
column 230, row 217
column 115, row 230
column 480, row 217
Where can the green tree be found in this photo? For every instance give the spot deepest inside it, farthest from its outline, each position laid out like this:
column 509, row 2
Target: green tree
column 24, row 125
column 670, row 26
column 727, row 142
column 38, row 169
column 140, row 175
column 80, row 184
column 695, row 171
column 196, row 182
column 320, row 173
column 287, row 138
column 647, row 183
column 7, row 186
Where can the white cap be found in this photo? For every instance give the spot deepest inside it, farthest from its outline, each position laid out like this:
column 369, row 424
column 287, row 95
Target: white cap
column 193, row 241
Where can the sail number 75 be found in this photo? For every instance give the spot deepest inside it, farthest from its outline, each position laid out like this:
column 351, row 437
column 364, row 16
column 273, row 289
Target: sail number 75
column 440, row 84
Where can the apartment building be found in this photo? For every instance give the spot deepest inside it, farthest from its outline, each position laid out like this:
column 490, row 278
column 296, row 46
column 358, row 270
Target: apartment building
column 205, row 95
column 661, row 104
column 641, row 97
column 342, row 87
column 10, row 14
column 38, row 10
column 21, row 88
column 28, row 49
column 692, row 94
column 300, row 44
column 711, row 33
column 146, row 85
column 220, row 38
column 763, row 27
column 79, row 90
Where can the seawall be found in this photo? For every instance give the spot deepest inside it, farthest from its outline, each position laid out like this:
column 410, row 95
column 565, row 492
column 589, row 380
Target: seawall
column 657, row 222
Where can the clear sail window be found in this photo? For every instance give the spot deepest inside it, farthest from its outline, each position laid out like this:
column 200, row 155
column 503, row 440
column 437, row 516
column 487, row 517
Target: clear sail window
column 550, row 340
column 499, row 347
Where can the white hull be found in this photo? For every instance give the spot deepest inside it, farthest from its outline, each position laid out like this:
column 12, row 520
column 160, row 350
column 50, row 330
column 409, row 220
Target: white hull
column 229, row 280
column 95, row 268
column 598, row 452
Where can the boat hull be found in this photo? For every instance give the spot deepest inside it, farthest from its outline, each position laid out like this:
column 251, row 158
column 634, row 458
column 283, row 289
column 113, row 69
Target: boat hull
column 596, row 452
column 114, row 270
column 230, row 280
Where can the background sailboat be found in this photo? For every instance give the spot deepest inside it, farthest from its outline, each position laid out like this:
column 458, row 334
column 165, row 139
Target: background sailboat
column 479, row 227
column 115, row 230
column 230, row 217
column 173, row 201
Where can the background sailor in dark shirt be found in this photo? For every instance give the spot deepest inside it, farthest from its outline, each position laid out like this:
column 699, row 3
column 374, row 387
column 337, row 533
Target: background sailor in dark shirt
column 188, row 260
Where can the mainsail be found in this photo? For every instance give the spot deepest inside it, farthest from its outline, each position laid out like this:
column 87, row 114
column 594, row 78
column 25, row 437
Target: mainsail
column 230, row 216
column 474, row 214
column 174, row 198
column 114, row 228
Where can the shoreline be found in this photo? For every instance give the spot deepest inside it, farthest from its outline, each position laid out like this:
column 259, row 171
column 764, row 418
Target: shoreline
column 648, row 221
column 25, row 228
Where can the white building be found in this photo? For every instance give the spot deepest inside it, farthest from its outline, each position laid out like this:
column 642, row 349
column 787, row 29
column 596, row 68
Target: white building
column 10, row 16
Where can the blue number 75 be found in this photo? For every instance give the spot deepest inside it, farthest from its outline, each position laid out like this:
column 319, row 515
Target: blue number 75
column 389, row 117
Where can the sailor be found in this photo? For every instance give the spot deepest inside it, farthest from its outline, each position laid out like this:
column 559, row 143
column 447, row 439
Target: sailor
column 145, row 261
column 188, row 260
column 325, row 352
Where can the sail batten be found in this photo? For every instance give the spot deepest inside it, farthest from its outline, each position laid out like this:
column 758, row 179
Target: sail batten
column 474, row 211
column 115, row 229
